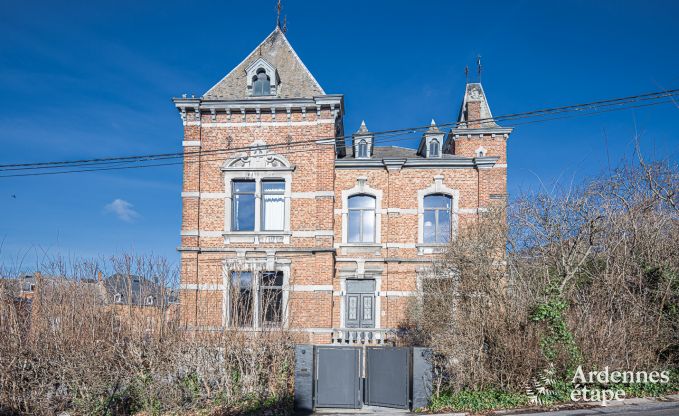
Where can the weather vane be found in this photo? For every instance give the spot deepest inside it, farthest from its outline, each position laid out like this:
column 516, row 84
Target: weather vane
column 278, row 14
column 285, row 23
column 478, row 66
column 466, row 73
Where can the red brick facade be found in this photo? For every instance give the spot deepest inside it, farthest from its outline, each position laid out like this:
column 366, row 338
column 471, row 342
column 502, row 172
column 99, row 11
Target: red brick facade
column 294, row 133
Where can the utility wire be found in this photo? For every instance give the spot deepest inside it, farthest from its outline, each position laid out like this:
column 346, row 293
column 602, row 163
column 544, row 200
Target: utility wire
column 590, row 108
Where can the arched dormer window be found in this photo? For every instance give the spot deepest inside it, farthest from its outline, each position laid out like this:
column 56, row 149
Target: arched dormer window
column 261, row 83
column 362, row 149
column 434, row 148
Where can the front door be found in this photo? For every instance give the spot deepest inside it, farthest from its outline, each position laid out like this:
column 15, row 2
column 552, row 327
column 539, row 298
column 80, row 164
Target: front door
column 360, row 303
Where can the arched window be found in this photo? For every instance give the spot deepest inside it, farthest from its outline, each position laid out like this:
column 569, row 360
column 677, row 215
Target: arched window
column 437, row 210
column 261, row 83
column 434, row 148
column 361, row 219
column 362, row 149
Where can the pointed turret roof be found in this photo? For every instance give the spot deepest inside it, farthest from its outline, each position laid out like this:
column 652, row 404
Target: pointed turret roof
column 474, row 92
column 433, row 128
column 363, row 129
column 295, row 79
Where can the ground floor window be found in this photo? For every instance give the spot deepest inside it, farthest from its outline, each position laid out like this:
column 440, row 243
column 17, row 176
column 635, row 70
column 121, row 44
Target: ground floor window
column 256, row 299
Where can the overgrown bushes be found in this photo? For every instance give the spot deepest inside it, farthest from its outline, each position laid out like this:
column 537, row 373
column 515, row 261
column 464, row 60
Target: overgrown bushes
column 73, row 352
column 588, row 276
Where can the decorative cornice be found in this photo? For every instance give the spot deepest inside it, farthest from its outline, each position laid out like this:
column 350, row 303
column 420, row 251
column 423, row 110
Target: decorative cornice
column 417, row 163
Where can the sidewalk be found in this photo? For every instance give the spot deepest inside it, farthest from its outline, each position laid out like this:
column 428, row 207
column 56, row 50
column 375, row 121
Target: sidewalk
column 664, row 406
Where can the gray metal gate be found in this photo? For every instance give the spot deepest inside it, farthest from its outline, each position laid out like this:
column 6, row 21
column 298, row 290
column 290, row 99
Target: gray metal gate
column 388, row 377
column 338, row 376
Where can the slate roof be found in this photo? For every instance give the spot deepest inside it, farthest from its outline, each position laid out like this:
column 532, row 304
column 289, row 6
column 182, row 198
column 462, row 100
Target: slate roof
column 295, row 79
column 396, row 152
column 474, row 92
column 139, row 288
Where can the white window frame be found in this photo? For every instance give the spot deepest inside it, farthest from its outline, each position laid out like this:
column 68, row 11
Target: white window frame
column 118, row 298
column 362, row 188
column 255, row 267
column 258, row 165
column 436, row 188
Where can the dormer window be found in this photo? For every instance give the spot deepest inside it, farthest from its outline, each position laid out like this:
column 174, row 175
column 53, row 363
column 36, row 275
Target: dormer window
column 434, row 148
column 117, row 298
column 362, row 149
column 262, row 79
column 261, row 83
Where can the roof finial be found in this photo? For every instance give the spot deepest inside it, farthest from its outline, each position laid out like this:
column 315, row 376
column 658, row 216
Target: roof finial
column 285, row 23
column 478, row 66
column 466, row 74
column 278, row 14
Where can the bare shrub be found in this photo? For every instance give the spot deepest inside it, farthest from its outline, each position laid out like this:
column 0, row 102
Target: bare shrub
column 586, row 275
column 73, row 349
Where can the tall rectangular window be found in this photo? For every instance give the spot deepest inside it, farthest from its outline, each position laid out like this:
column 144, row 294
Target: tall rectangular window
column 361, row 227
column 242, row 299
column 243, row 206
column 271, row 299
column 273, row 205
column 437, row 218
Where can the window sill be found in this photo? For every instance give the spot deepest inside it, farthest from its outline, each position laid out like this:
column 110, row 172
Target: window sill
column 257, row 237
column 349, row 248
column 431, row 248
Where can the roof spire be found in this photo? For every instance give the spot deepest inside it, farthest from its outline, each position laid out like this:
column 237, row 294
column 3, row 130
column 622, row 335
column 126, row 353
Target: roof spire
column 285, row 23
column 363, row 128
column 466, row 74
column 278, row 14
column 432, row 127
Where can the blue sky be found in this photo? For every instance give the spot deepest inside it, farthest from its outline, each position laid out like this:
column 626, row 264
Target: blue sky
column 94, row 79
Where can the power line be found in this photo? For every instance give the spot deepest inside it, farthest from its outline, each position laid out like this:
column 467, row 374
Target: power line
column 600, row 106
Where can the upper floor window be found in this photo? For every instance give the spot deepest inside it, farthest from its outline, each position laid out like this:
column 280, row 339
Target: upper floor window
column 149, row 300
column 261, row 83
column 243, row 206
column 362, row 149
column 273, row 205
column 437, row 210
column 434, row 150
column 361, row 219
column 117, row 298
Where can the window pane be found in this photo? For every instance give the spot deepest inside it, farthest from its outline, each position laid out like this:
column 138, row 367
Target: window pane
column 271, row 305
column 273, row 212
column 243, row 212
column 429, row 226
column 444, row 227
column 368, row 226
column 354, row 226
column 273, row 186
column 272, row 278
column 353, row 307
column 361, row 201
column 241, row 299
column 437, row 201
column 367, row 308
column 244, row 186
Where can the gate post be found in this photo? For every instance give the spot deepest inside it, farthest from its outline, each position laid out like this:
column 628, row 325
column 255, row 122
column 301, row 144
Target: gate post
column 304, row 380
column 423, row 370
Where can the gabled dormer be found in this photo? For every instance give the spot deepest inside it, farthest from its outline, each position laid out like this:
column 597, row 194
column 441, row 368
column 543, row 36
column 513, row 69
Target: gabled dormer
column 363, row 142
column 431, row 145
column 262, row 79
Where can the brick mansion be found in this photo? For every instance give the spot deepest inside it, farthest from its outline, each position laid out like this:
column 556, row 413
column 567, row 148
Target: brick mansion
column 287, row 221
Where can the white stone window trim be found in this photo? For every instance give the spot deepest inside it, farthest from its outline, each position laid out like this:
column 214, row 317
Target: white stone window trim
column 362, row 188
column 436, row 188
column 258, row 166
column 271, row 72
column 118, row 298
column 255, row 267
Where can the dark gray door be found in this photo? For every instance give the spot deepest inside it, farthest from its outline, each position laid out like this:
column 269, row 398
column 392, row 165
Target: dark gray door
column 360, row 304
column 338, row 377
column 388, row 377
